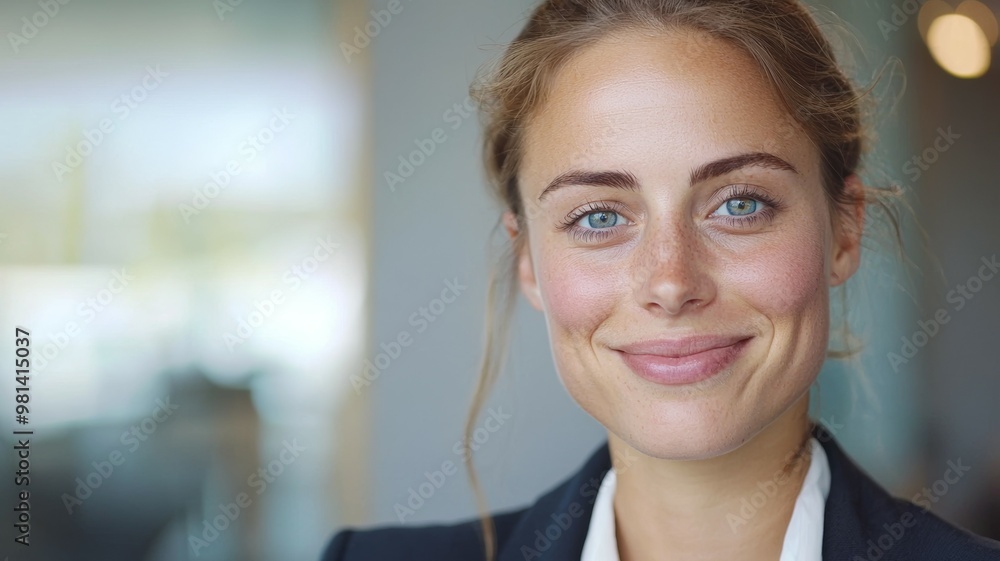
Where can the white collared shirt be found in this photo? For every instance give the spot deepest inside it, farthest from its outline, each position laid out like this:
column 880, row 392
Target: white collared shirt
column 803, row 538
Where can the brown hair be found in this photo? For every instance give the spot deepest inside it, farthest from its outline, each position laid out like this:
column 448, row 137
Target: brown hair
column 780, row 35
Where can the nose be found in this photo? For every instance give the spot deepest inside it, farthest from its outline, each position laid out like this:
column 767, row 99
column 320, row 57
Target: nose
column 672, row 271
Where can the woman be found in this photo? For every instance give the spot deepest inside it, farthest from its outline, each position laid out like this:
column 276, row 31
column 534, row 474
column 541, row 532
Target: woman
column 680, row 187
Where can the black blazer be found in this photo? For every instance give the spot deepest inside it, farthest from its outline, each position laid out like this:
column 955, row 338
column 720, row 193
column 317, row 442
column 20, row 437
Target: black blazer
column 862, row 522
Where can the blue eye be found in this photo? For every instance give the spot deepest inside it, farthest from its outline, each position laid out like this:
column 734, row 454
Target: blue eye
column 597, row 221
column 601, row 219
column 738, row 207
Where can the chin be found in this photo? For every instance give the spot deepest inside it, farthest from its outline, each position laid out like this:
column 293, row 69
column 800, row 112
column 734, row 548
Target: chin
column 690, row 430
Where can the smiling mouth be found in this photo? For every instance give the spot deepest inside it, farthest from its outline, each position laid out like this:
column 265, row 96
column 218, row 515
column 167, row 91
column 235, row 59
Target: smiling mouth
column 675, row 362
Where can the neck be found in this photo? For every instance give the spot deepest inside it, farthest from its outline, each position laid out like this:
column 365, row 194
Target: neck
column 667, row 509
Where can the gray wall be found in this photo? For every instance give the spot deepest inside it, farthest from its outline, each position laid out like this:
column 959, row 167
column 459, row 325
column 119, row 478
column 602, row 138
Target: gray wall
column 960, row 193
column 434, row 226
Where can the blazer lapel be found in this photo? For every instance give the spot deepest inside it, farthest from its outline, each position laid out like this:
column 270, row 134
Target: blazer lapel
column 843, row 534
column 555, row 527
column 862, row 521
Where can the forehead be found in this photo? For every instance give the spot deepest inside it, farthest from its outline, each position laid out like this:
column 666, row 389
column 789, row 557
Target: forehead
column 658, row 103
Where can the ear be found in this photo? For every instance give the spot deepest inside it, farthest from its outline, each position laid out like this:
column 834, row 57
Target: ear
column 525, row 268
column 847, row 231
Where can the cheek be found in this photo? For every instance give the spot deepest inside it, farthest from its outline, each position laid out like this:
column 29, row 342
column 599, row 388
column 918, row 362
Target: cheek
column 786, row 278
column 787, row 287
column 577, row 294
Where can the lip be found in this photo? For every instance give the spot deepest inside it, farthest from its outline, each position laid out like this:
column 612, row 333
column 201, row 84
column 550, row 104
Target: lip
column 681, row 361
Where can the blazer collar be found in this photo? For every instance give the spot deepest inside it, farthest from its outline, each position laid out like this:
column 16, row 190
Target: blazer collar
column 555, row 527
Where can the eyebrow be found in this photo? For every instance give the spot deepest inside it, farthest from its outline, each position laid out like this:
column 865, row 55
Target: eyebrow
column 627, row 181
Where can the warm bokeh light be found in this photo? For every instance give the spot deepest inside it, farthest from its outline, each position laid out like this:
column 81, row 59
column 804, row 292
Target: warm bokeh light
column 930, row 11
column 982, row 15
column 959, row 45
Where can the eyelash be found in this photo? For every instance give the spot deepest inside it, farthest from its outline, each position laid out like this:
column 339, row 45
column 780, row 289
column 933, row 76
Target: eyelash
column 742, row 191
column 771, row 206
column 590, row 234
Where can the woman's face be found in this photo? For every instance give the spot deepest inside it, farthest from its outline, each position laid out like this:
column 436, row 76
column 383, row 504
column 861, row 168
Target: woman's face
column 679, row 242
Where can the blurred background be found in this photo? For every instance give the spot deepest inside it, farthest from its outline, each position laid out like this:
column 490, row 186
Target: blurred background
column 246, row 332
